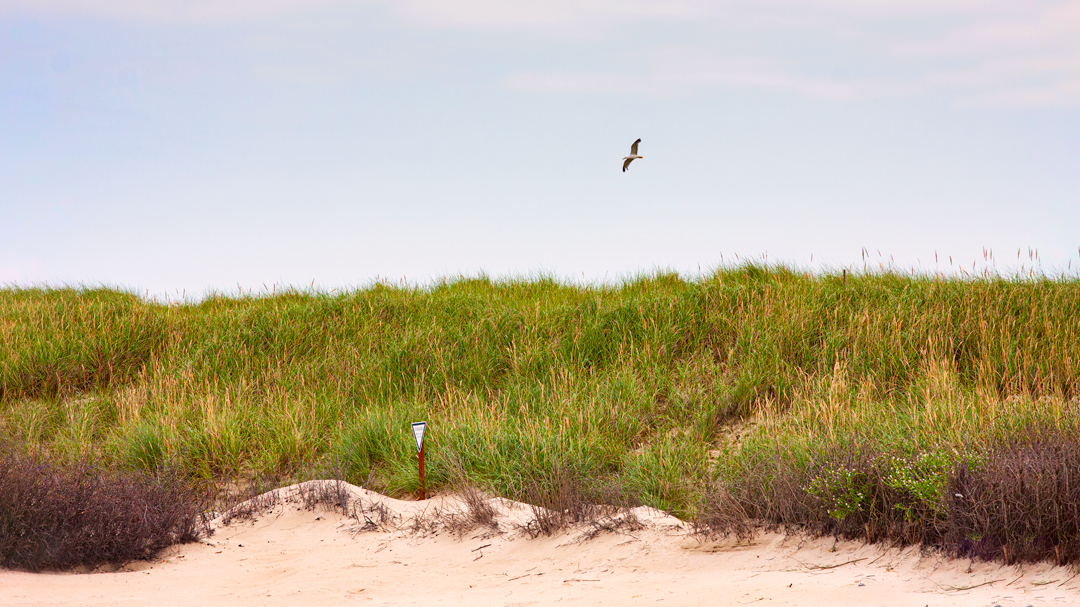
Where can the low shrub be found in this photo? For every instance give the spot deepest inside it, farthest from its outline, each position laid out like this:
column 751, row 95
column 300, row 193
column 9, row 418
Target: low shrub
column 1021, row 504
column 58, row 517
column 1017, row 501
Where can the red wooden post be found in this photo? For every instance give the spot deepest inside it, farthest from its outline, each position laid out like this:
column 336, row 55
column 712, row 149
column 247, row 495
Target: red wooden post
column 423, row 494
column 418, row 429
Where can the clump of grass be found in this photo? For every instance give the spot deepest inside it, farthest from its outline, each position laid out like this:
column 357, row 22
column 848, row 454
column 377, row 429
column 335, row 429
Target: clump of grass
column 62, row 342
column 563, row 496
column 82, row 515
column 478, row 509
column 618, row 520
column 329, row 495
column 478, row 512
column 723, row 514
column 246, row 499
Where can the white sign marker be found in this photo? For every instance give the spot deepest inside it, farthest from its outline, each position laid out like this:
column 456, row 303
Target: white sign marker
column 418, row 429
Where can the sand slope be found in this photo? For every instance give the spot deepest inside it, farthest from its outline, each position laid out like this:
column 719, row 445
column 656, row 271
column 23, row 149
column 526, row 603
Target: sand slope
column 291, row 556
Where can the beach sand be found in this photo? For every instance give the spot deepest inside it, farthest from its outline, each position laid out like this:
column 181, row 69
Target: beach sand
column 290, row 555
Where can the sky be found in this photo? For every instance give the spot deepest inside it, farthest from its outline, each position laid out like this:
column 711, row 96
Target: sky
column 177, row 148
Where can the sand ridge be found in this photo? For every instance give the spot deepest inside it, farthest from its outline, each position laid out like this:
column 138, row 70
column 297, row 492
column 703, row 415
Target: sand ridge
column 395, row 552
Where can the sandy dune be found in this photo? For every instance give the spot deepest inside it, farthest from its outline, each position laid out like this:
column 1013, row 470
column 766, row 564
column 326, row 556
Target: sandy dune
column 292, row 556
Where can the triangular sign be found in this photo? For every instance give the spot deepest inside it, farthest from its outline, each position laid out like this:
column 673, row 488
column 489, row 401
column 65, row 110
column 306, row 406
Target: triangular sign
column 418, row 429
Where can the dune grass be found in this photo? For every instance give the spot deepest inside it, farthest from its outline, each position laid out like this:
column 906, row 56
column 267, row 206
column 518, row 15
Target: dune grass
column 660, row 389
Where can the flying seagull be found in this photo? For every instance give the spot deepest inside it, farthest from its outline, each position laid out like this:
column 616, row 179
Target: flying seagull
column 632, row 156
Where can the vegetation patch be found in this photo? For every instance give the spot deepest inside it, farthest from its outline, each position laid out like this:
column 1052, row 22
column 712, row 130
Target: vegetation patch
column 58, row 517
column 1016, row 501
column 862, row 403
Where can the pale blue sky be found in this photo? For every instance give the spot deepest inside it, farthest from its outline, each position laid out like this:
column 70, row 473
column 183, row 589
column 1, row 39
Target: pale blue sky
column 174, row 147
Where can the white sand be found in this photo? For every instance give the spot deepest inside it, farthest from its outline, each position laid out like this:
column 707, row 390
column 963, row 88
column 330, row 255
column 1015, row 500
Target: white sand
column 293, row 556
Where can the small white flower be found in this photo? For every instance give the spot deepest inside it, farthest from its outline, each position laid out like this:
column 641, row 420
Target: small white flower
column 958, row 495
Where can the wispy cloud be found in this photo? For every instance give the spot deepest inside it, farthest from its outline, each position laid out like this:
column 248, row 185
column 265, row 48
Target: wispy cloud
column 551, row 15
column 1027, row 58
column 991, row 55
column 497, row 13
column 184, row 11
column 674, row 76
column 972, row 51
column 484, row 14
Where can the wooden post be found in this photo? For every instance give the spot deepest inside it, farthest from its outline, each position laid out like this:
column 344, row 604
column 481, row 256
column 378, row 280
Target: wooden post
column 418, row 430
column 423, row 493
column 844, row 281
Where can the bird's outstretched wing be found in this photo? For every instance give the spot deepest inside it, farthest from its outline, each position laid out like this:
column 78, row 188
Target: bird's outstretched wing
column 633, row 147
column 626, row 163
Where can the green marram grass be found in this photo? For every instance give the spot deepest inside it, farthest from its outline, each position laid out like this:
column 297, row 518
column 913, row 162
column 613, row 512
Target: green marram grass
column 658, row 385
